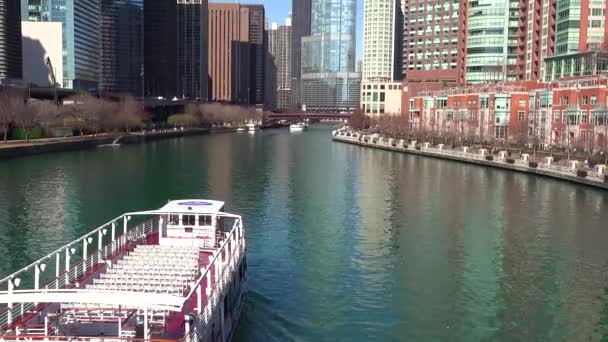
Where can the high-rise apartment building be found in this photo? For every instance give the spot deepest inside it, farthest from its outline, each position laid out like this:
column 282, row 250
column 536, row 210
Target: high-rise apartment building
column 301, row 28
column 580, row 34
column 496, row 41
column 122, row 47
column 382, row 40
column 176, row 49
column 10, row 40
column 434, row 42
column 237, row 54
column 279, row 48
column 81, row 39
column 328, row 79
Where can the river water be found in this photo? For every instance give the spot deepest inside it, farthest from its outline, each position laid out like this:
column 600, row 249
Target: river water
column 347, row 243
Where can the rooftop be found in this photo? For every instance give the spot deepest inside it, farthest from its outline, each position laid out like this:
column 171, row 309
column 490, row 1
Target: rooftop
column 197, row 206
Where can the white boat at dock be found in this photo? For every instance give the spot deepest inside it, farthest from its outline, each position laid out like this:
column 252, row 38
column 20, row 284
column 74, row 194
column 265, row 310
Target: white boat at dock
column 177, row 273
column 298, row 127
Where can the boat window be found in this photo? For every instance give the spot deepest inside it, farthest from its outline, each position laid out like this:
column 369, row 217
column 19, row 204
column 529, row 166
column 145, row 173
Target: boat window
column 204, row 220
column 174, row 219
column 188, row 220
column 188, row 229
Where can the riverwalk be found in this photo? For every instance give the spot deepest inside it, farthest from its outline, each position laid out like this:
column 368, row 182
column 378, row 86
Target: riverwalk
column 21, row 148
column 595, row 178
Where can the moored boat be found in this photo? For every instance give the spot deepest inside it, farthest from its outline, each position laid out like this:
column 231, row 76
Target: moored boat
column 298, row 127
column 176, row 273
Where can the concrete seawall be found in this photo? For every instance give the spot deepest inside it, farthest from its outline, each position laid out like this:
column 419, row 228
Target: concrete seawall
column 15, row 150
column 474, row 159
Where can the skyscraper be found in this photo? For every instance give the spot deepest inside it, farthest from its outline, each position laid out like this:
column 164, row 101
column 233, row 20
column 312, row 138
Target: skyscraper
column 382, row 40
column 192, row 25
column 122, row 47
column 237, row 53
column 300, row 28
column 329, row 81
column 279, row 48
column 175, row 48
column 10, row 40
column 81, row 48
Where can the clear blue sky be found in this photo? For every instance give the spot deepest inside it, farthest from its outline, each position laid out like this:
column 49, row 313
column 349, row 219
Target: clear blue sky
column 277, row 10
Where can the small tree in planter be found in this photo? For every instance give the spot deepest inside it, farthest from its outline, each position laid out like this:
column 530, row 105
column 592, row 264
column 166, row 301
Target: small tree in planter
column 581, row 173
column 533, row 164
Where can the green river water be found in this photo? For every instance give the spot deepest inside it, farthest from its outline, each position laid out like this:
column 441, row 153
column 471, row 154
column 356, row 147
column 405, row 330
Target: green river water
column 347, row 243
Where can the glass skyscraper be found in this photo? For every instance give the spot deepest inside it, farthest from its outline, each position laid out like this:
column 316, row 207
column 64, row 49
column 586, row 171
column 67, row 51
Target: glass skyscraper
column 122, row 47
column 329, row 81
column 80, row 23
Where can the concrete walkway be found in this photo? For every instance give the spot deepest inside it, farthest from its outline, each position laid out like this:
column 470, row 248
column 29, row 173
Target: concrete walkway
column 543, row 169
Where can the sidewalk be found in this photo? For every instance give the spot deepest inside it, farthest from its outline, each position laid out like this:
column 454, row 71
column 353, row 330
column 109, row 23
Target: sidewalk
column 519, row 165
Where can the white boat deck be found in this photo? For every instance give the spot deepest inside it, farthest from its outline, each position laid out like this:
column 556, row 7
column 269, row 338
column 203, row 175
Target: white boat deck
column 152, row 268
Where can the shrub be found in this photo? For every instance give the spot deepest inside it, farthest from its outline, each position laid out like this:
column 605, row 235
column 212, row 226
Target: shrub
column 418, row 148
column 375, row 141
column 533, row 164
column 510, row 160
column 581, row 173
column 490, row 158
column 394, row 145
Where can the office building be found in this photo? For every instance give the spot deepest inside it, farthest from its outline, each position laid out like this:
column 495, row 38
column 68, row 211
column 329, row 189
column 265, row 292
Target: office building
column 176, row 49
column 10, row 40
column 300, row 28
column 122, row 43
column 329, row 82
column 279, row 48
column 42, row 40
column 81, row 39
column 237, row 55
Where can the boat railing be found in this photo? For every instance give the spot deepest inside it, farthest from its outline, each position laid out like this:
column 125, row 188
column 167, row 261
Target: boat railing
column 226, row 257
column 109, row 245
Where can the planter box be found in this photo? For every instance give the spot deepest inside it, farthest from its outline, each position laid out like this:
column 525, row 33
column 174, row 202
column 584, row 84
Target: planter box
column 581, row 173
column 418, row 148
column 375, row 141
column 533, row 165
column 394, row 145
column 510, row 161
column 490, row 158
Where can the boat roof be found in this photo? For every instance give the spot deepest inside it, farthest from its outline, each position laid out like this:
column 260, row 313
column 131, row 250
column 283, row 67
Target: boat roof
column 196, row 206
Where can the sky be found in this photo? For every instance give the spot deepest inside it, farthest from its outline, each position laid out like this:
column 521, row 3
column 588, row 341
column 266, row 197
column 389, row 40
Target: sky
column 277, row 11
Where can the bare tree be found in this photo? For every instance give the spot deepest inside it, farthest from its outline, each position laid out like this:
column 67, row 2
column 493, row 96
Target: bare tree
column 11, row 103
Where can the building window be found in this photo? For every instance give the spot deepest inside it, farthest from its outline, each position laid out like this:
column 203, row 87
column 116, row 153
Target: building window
column 583, row 116
column 382, row 97
column 556, row 115
column 565, row 100
column 521, row 115
column 585, row 99
column 522, row 103
column 593, row 99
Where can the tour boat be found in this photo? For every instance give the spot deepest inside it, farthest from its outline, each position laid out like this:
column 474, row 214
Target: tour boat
column 240, row 129
column 297, row 127
column 177, row 273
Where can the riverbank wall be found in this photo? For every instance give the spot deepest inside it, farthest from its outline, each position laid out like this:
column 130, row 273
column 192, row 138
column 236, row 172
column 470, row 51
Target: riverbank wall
column 16, row 149
column 546, row 170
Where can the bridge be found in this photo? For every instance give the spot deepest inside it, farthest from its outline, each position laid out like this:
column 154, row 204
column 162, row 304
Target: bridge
column 299, row 116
